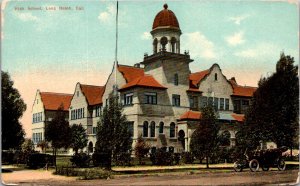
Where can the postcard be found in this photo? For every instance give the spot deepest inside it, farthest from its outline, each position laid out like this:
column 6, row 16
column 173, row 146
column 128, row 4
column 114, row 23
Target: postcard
column 150, row 92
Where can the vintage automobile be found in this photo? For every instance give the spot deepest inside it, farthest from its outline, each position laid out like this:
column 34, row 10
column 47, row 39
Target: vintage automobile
column 261, row 158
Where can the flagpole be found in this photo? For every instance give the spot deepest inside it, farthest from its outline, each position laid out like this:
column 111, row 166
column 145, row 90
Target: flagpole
column 116, row 50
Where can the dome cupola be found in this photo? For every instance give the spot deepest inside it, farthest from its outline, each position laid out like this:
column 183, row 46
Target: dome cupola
column 165, row 18
column 166, row 32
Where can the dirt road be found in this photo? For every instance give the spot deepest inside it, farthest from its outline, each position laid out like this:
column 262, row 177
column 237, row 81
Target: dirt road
column 40, row 177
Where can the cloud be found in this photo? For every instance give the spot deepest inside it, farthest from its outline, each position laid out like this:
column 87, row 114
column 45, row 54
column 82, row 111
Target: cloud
column 108, row 14
column 146, row 36
column 199, row 45
column 235, row 39
column 238, row 19
column 26, row 16
column 262, row 50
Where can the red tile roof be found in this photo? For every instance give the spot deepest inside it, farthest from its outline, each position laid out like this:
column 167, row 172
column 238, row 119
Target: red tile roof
column 52, row 101
column 143, row 81
column 165, row 18
column 190, row 115
column 196, row 77
column 194, row 90
column 239, row 90
column 130, row 73
column 93, row 93
column 238, row 117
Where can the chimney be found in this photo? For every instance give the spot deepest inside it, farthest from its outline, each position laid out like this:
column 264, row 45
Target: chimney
column 137, row 65
column 233, row 80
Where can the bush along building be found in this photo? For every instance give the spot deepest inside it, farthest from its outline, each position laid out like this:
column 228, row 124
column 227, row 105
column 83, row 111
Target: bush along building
column 161, row 98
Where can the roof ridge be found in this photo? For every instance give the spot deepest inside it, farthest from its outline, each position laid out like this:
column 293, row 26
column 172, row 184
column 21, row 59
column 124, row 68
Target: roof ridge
column 200, row 71
column 57, row 93
column 129, row 66
column 92, row 85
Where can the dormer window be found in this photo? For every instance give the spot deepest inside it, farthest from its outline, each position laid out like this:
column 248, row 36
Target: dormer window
column 176, row 79
column 216, row 77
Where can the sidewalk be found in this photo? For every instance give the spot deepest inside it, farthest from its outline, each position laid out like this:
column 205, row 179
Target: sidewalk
column 177, row 167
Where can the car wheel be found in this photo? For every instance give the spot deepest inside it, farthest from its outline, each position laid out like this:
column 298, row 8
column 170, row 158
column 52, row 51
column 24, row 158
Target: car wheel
column 254, row 165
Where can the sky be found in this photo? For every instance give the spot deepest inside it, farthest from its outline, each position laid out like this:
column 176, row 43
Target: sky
column 52, row 50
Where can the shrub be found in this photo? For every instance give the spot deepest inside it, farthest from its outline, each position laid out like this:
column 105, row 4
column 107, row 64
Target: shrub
column 161, row 157
column 89, row 173
column 227, row 154
column 37, row 160
column 187, row 157
column 101, row 159
column 81, row 160
column 123, row 159
column 8, row 157
column 177, row 158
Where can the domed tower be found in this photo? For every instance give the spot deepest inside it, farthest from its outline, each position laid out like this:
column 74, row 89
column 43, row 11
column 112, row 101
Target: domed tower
column 166, row 32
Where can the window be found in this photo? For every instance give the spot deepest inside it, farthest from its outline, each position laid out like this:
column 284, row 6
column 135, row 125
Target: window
column 128, row 99
column 153, row 150
column 77, row 93
column 145, row 129
column 83, row 112
column 98, row 111
column 193, row 101
column 176, row 79
column 237, row 106
column 172, row 130
column 130, row 128
column 226, row 104
column 216, row 103
column 150, row 98
column 37, row 101
column 176, row 100
column 161, row 127
column 106, row 102
column 221, row 103
column 94, row 130
column 210, row 101
column 245, row 102
column 203, row 101
column 216, row 77
column 152, row 129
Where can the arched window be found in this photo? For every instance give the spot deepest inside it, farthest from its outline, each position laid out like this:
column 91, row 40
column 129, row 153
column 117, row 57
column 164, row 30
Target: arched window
column 181, row 138
column 90, row 147
column 153, row 150
column 155, row 46
column 173, row 43
column 225, row 138
column 176, row 79
column 145, row 129
column 172, row 130
column 163, row 42
column 152, row 129
column 216, row 76
column 171, row 149
column 161, row 127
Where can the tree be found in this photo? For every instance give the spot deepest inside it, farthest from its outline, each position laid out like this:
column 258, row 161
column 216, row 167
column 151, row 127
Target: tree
column 205, row 139
column 27, row 146
column 43, row 145
column 141, row 149
column 79, row 138
column 113, row 136
column 58, row 132
column 13, row 108
column 273, row 114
